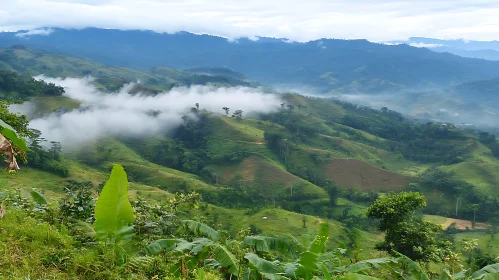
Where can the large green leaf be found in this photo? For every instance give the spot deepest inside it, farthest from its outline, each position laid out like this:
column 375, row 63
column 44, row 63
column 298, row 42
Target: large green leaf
column 195, row 246
column 11, row 134
column 160, row 245
column 270, row 276
column 488, row 273
column 113, row 210
column 413, row 269
column 38, row 198
column 264, row 266
column 226, row 258
column 325, row 271
column 317, row 246
column 267, row 243
column 200, row 228
column 290, row 269
column 460, row 275
column 308, row 265
column 257, row 242
column 366, row 265
column 356, row 276
column 297, row 243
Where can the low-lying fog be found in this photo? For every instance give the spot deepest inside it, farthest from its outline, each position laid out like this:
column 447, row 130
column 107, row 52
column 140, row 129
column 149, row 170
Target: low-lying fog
column 122, row 114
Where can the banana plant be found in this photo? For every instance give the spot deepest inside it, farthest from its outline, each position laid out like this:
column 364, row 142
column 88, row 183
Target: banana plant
column 202, row 251
column 489, row 272
column 113, row 215
column 308, row 265
column 10, row 142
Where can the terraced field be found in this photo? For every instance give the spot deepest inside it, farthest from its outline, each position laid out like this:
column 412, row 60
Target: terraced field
column 353, row 173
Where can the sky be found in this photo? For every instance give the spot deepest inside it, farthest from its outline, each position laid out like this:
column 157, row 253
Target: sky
column 297, row 20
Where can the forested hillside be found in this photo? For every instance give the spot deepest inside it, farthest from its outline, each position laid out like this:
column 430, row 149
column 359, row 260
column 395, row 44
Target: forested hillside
column 229, row 194
column 325, row 64
column 25, row 61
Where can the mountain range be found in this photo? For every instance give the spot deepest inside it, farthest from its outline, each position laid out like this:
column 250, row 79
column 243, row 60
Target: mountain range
column 195, row 115
column 325, row 65
column 488, row 50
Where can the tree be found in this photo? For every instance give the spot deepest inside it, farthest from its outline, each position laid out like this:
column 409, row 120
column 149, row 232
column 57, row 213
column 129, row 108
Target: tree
column 238, row 115
column 405, row 233
column 474, row 208
column 226, row 109
column 333, row 191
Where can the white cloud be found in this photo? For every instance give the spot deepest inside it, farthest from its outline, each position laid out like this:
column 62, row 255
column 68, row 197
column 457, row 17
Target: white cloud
column 42, row 31
column 121, row 114
column 425, row 45
column 376, row 20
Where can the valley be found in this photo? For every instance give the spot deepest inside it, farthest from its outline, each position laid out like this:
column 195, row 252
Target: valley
column 286, row 165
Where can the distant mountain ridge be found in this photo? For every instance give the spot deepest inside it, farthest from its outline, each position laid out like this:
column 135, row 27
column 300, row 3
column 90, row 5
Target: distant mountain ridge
column 474, row 49
column 325, row 65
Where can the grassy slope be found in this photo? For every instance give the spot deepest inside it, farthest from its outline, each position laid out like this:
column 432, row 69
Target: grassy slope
column 60, row 65
column 340, row 143
column 336, row 141
column 480, row 169
column 486, row 243
column 279, row 222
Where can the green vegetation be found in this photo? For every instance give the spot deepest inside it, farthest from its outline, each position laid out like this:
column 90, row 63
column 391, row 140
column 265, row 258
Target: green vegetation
column 266, row 186
column 14, row 86
column 125, row 241
column 109, row 78
column 403, row 231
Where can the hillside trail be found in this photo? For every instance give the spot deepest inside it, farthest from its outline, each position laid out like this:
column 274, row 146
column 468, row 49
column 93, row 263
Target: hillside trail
column 241, row 141
column 463, row 224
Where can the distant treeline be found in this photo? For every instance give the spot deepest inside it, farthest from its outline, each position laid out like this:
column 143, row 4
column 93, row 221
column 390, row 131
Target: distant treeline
column 16, row 86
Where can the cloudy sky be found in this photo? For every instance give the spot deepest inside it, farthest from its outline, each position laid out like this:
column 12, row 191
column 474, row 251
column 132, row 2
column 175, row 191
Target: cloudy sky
column 299, row 20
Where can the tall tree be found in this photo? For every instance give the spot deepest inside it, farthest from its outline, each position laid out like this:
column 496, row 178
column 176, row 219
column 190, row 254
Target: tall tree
column 406, row 233
column 238, row 115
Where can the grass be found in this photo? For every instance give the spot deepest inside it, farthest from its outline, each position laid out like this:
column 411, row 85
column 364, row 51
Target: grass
column 353, row 173
column 246, row 127
column 280, row 222
column 486, row 244
column 480, row 169
column 260, row 172
column 27, row 246
column 439, row 220
column 225, row 128
column 48, row 104
column 28, row 178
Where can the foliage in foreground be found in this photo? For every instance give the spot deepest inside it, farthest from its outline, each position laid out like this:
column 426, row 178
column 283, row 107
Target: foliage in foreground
column 112, row 247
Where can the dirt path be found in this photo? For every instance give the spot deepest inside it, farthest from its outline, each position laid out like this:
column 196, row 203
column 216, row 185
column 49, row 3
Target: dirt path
column 460, row 224
column 463, row 224
column 241, row 141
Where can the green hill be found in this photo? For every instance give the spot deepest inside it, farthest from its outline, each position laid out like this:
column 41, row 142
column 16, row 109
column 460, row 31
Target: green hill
column 312, row 160
column 111, row 78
